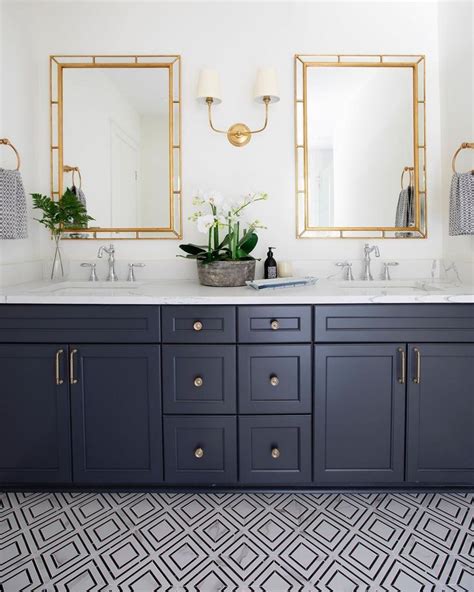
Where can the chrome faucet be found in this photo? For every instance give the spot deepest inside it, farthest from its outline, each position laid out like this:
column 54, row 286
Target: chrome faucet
column 366, row 273
column 110, row 250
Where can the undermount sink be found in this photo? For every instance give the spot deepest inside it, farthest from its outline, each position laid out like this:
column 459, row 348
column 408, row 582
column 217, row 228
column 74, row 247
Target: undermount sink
column 382, row 285
column 97, row 288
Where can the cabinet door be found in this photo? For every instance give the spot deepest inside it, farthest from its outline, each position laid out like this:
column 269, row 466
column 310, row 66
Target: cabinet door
column 199, row 379
column 359, row 414
column 440, row 426
column 275, row 379
column 35, row 444
column 116, row 415
column 201, row 449
column 275, row 449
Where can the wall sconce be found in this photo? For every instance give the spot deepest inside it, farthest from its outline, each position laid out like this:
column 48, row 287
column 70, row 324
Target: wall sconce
column 266, row 92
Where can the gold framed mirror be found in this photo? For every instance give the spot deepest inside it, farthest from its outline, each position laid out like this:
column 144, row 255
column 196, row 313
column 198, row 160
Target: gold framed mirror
column 115, row 124
column 360, row 146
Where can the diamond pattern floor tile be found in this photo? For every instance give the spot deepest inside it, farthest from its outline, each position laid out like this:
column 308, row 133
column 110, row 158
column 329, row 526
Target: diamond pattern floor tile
column 225, row 542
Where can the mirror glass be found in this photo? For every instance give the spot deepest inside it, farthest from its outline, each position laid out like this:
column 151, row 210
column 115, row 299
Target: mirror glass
column 117, row 149
column 360, row 144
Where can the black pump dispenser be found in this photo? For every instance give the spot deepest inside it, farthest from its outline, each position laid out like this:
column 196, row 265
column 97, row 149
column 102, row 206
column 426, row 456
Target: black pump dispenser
column 270, row 265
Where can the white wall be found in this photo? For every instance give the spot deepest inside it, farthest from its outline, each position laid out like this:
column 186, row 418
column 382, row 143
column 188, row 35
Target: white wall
column 17, row 122
column 235, row 38
column 456, row 41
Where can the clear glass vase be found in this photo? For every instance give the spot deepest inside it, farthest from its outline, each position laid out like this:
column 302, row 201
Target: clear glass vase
column 57, row 269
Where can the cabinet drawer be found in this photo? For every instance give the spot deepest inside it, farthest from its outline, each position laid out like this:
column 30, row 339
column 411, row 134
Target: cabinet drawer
column 198, row 324
column 275, row 449
column 199, row 379
column 200, row 450
column 395, row 322
column 78, row 323
column 274, row 379
column 274, row 324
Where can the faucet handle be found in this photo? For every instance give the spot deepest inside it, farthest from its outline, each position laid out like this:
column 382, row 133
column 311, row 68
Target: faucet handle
column 386, row 269
column 131, row 271
column 346, row 270
column 93, row 275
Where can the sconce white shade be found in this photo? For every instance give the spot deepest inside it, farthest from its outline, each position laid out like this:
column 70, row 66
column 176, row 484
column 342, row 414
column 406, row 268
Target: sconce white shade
column 266, row 85
column 209, row 86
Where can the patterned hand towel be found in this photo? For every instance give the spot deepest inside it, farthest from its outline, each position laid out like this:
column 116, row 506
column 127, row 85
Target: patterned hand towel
column 405, row 214
column 80, row 195
column 461, row 204
column 13, row 222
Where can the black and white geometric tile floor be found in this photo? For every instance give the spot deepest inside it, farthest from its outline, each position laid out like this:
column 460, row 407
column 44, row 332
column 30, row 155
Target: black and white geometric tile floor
column 269, row 542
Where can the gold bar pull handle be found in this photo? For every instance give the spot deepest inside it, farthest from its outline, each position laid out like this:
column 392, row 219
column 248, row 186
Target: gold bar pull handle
column 417, row 377
column 402, row 377
column 59, row 380
column 72, row 357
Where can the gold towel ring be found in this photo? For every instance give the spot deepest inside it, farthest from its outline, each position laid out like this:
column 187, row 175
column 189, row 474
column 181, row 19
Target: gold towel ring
column 6, row 142
column 462, row 147
column 409, row 170
column 73, row 170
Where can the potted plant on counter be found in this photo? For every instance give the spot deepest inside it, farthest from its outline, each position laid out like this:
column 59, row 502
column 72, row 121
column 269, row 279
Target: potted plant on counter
column 225, row 260
column 57, row 217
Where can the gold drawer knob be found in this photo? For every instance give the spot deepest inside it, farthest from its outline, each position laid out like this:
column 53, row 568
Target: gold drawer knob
column 198, row 381
column 275, row 453
column 274, row 380
column 199, row 453
column 275, row 325
column 197, row 326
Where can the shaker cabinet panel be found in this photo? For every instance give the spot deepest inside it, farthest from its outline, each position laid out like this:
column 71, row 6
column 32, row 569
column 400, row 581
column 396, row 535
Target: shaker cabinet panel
column 86, row 323
column 35, row 445
column 199, row 379
column 200, row 450
column 359, row 414
column 274, row 324
column 275, row 449
column 382, row 323
column 440, row 415
column 198, row 324
column 275, row 379
column 116, row 414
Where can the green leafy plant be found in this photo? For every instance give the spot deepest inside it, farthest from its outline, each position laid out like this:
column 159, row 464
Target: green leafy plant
column 240, row 238
column 61, row 214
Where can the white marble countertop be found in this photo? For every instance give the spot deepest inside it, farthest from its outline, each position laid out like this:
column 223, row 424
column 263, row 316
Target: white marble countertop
column 190, row 292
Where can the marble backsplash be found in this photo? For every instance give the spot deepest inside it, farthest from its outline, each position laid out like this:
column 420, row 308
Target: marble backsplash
column 438, row 269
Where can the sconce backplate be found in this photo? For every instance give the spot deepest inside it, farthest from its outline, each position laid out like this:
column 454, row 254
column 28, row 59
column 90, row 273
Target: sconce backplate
column 239, row 134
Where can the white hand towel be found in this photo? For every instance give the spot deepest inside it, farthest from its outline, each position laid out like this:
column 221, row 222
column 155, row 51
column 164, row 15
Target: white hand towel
column 13, row 221
column 461, row 204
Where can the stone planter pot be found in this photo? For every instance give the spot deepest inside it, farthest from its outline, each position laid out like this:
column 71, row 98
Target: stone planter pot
column 226, row 274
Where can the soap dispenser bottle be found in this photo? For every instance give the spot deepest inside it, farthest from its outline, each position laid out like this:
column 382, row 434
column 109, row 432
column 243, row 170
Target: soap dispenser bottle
column 270, row 265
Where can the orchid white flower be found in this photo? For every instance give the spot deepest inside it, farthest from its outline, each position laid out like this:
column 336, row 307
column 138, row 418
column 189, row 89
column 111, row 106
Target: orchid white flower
column 214, row 198
column 205, row 223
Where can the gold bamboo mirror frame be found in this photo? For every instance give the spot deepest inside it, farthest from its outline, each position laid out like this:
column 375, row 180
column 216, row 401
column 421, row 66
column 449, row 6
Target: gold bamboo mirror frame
column 311, row 74
column 151, row 89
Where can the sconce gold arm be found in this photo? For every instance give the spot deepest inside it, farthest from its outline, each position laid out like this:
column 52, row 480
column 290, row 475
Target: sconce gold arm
column 209, row 102
column 238, row 134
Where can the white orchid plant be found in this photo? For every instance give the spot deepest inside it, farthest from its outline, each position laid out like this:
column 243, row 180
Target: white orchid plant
column 240, row 237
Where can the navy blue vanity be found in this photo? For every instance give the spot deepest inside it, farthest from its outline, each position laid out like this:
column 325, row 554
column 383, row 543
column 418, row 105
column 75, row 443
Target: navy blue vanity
column 235, row 396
